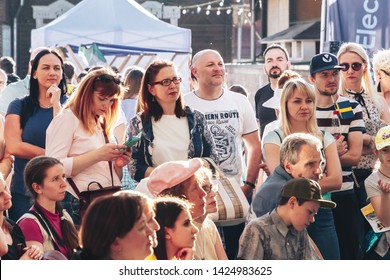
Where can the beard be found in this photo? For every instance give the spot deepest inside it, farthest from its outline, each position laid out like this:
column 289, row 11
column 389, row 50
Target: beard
column 327, row 93
column 275, row 75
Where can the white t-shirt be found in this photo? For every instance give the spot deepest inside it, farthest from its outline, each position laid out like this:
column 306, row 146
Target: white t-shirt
column 229, row 118
column 171, row 139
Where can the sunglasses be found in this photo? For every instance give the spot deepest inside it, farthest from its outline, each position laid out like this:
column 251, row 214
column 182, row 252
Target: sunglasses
column 356, row 66
column 167, row 82
column 106, row 78
column 386, row 73
column 209, row 188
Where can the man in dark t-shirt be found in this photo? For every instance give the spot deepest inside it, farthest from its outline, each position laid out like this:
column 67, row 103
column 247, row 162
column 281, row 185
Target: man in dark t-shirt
column 275, row 63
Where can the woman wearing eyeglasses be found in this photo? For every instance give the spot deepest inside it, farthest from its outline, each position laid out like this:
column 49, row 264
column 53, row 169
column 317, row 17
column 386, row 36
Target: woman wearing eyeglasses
column 381, row 65
column 81, row 137
column 28, row 118
column 170, row 130
column 356, row 84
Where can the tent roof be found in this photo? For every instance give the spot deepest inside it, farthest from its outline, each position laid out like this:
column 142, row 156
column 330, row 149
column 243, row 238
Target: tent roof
column 302, row 31
column 118, row 22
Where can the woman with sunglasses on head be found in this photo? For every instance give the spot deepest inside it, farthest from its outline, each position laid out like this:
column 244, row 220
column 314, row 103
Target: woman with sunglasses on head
column 81, row 137
column 28, row 118
column 381, row 65
column 170, row 130
column 356, row 83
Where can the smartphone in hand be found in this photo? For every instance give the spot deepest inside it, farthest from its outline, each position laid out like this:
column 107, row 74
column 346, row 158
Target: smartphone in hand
column 132, row 141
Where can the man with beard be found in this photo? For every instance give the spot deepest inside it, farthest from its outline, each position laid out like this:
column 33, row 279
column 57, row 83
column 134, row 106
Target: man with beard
column 275, row 63
column 231, row 120
column 343, row 118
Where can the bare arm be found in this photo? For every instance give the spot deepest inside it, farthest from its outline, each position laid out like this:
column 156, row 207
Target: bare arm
column 355, row 145
column 333, row 177
column 221, row 254
column 254, row 158
column 13, row 139
column 272, row 156
column 381, row 204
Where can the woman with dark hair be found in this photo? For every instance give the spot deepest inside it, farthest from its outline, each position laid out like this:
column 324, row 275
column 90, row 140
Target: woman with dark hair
column 132, row 83
column 12, row 241
column 28, row 118
column 87, row 147
column 46, row 224
column 177, row 234
column 116, row 228
column 170, row 130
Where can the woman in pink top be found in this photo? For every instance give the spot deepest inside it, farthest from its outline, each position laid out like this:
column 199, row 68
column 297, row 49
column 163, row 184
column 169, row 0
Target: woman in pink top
column 46, row 224
column 81, row 136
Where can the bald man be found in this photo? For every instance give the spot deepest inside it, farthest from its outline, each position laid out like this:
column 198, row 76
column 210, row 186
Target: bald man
column 231, row 120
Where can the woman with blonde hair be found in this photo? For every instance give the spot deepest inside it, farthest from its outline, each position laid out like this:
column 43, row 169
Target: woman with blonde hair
column 87, row 147
column 298, row 114
column 381, row 65
column 356, row 83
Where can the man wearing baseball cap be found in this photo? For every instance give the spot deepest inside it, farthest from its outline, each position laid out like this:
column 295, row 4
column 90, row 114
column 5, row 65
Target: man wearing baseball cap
column 281, row 234
column 343, row 118
column 378, row 192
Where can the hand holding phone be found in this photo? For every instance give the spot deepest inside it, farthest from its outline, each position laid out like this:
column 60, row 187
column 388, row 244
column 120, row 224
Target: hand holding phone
column 132, row 141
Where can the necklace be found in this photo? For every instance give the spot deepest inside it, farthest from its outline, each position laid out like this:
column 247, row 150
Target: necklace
column 388, row 177
column 45, row 106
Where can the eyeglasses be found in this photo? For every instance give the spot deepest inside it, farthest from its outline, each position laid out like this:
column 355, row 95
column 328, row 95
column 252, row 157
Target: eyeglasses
column 106, row 78
column 356, row 66
column 209, row 188
column 167, row 82
column 386, row 73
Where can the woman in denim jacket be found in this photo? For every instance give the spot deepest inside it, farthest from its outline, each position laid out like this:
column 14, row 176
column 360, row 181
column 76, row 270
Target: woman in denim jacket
column 163, row 120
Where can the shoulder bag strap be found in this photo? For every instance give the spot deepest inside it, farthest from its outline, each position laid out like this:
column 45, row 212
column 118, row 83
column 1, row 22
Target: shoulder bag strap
column 44, row 224
column 74, row 187
column 109, row 162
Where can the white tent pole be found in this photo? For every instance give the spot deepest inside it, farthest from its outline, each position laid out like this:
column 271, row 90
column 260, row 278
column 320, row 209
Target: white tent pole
column 71, row 53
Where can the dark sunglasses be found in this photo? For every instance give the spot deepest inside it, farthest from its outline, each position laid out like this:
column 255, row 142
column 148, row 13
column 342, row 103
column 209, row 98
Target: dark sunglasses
column 386, row 73
column 356, row 66
column 167, row 82
column 106, row 78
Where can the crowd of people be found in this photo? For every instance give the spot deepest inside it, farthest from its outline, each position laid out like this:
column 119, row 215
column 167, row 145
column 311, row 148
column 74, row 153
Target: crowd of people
column 312, row 154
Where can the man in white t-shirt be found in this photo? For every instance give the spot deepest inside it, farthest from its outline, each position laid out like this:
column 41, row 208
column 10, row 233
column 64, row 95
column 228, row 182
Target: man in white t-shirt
column 230, row 119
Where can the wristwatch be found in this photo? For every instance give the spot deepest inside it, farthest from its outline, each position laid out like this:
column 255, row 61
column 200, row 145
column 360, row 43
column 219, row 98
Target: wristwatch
column 250, row 184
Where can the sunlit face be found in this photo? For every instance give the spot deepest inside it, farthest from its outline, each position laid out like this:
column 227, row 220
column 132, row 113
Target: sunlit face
column 351, row 77
column 300, row 107
column 166, row 95
column 301, row 216
column 102, row 103
column 326, row 82
column 48, row 72
column 152, row 223
column 183, row 234
column 136, row 244
column 275, row 63
column 384, row 156
column 211, row 198
column 196, row 196
column 5, row 197
column 210, row 69
column 54, row 185
column 308, row 165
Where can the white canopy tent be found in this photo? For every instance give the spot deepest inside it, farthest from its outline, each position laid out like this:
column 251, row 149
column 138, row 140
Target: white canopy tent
column 120, row 23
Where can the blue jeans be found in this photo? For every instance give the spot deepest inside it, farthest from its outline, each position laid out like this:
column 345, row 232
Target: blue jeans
column 323, row 233
column 20, row 205
column 71, row 205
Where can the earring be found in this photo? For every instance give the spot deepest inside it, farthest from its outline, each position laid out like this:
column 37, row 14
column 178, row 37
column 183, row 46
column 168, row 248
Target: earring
column 153, row 99
column 379, row 89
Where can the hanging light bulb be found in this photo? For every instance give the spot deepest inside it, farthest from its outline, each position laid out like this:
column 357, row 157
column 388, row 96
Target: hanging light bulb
column 209, row 7
column 221, row 3
column 240, row 11
column 218, row 12
column 228, row 11
column 198, row 9
column 184, row 11
column 238, row 1
column 249, row 14
column 207, row 12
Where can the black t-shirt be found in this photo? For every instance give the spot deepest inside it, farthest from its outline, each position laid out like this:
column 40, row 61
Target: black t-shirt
column 263, row 114
column 17, row 238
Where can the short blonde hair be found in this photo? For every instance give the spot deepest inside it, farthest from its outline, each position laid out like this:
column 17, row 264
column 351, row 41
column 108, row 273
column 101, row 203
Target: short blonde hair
column 381, row 60
column 287, row 93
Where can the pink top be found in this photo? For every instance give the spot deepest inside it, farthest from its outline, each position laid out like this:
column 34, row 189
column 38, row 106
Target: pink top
column 32, row 231
column 66, row 138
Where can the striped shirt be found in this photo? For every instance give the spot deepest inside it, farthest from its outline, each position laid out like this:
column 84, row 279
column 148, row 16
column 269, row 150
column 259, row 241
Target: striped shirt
column 335, row 125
